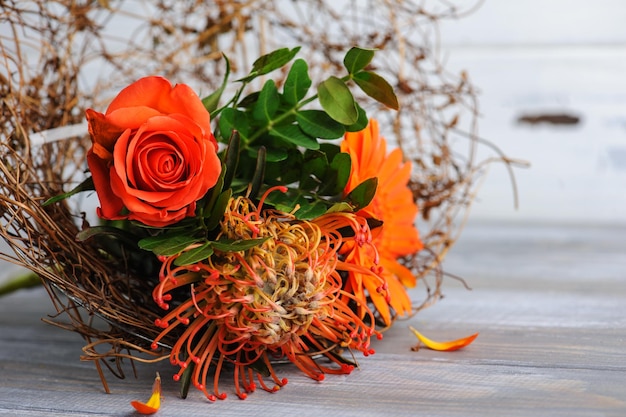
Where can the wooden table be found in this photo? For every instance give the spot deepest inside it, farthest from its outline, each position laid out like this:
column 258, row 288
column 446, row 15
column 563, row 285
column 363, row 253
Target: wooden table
column 549, row 303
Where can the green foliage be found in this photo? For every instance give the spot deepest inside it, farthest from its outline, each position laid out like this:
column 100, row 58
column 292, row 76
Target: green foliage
column 228, row 245
column 259, row 173
column 267, row 103
column 218, row 209
column 362, row 195
column 231, row 158
column 270, row 62
column 195, row 255
column 86, row 185
column 319, row 124
column 337, row 100
column 357, row 59
column 297, row 83
column 294, row 135
column 281, row 130
column 213, row 100
column 377, row 88
column 168, row 244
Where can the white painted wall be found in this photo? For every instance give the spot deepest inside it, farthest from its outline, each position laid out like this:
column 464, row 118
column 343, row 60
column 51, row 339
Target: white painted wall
column 550, row 55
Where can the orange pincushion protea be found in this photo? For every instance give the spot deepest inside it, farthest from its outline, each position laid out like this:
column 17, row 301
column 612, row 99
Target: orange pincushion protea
column 393, row 204
column 280, row 298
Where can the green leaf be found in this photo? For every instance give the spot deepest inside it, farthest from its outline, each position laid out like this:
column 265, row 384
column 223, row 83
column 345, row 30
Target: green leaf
column 288, row 201
column 194, row 255
column 297, row 83
column 259, row 173
column 313, row 170
column 90, row 232
column 248, row 101
column 167, row 244
column 185, row 379
column 260, row 367
column 311, row 210
column 374, row 223
column 270, row 62
column 271, row 154
column 285, row 202
column 121, row 235
column 363, row 194
column 342, row 163
column 341, row 207
column 336, row 99
column 229, row 245
column 213, row 100
column 218, row 209
column 267, row 103
column 286, row 171
column 232, row 119
column 330, row 149
column 86, row 185
column 293, row 134
column 212, row 195
column 315, row 163
column 231, row 159
column 338, row 175
column 358, row 58
column 377, row 88
column 319, row 124
column 361, row 123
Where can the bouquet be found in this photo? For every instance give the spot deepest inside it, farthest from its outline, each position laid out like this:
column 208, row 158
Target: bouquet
column 258, row 237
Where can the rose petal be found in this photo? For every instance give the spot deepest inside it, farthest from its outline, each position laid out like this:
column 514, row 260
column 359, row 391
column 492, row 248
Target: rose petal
column 111, row 204
column 103, row 133
column 157, row 93
column 444, row 346
column 132, row 117
column 159, row 164
column 183, row 97
column 133, row 202
column 154, row 403
column 147, row 91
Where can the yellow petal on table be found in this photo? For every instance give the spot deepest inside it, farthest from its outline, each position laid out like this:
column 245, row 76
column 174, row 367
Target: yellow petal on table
column 153, row 404
column 444, row 346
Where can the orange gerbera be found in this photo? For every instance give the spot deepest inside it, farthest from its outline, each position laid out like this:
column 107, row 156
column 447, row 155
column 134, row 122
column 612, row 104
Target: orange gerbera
column 393, row 204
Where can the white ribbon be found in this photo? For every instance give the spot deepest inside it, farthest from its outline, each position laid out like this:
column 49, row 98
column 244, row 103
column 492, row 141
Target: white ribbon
column 58, row 133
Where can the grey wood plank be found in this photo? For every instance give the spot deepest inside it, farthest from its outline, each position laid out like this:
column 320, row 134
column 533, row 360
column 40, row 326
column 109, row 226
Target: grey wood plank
column 551, row 343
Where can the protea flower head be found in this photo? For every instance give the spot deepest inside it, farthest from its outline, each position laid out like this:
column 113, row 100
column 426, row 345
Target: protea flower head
column 281, row 298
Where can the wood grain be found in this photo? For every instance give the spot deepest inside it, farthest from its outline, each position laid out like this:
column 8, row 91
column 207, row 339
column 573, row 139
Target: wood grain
column 548, row 301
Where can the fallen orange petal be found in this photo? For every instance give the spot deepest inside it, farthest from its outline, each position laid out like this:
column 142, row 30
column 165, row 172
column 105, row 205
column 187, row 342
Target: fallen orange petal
column 153, row 404
column 444, row 346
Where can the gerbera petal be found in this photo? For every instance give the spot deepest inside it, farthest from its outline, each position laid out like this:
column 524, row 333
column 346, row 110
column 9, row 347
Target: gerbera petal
column 400, row 271
column 154, row 403
column 399, row 298
column 444, row 346
column 379, row 299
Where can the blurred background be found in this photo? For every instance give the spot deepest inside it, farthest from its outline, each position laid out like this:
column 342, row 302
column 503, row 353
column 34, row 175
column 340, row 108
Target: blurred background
column 552, row 91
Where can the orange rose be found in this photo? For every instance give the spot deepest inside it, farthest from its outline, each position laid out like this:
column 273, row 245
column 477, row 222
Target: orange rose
column 153, row 153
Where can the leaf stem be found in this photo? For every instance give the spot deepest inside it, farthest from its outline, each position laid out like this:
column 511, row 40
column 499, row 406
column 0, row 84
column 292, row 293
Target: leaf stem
column 280, row 118
column 27, row 280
